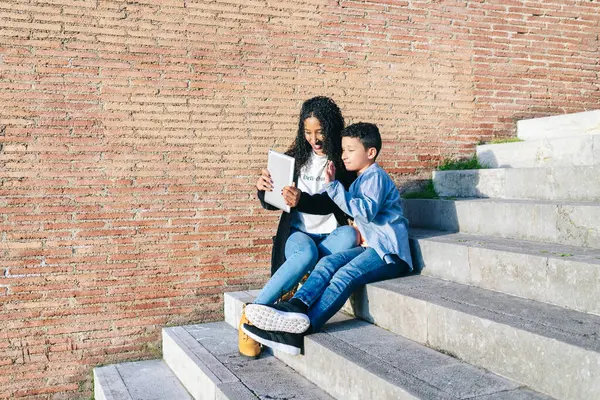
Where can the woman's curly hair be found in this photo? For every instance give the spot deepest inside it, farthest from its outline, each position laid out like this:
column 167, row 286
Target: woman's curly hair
column 332, row 122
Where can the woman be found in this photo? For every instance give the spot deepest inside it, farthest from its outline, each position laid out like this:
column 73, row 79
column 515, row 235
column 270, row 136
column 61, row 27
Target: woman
column 315, row 227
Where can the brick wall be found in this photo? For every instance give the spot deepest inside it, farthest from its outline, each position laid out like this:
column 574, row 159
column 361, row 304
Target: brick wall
column 132, row 133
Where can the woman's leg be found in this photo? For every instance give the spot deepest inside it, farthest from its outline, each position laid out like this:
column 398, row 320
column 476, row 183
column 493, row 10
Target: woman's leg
column 341, row 239
column 365, row 268
column 301, row 255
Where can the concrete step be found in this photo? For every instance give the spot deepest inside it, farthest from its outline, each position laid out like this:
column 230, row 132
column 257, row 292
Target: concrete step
column 565, row 125
column 569, row 223
column 548, row 348
column 553, row 152
column 352, row 359
column 206, row 360
column 555, row 183
column 142, row 380
column 566, row 276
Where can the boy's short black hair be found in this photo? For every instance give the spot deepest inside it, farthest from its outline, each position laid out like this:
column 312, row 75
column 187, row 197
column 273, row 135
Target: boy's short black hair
column 366, row 133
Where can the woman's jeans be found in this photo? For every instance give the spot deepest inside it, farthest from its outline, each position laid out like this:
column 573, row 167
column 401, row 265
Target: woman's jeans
column 302, row 251
column 335, row 278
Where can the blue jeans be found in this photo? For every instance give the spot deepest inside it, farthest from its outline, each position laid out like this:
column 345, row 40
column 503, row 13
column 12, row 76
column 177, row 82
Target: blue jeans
column 335, row 278
column 302, row 251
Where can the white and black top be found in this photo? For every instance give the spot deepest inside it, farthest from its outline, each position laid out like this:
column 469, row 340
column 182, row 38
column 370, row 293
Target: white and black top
column 311, row 180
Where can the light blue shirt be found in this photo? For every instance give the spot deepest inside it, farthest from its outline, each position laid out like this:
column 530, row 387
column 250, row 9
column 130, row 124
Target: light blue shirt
column 374, row 203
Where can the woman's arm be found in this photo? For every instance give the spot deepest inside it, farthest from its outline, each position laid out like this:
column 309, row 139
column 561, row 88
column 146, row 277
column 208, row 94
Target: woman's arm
column 264, row 183
column 263, row 203
column 321, row 203
column 318, row 204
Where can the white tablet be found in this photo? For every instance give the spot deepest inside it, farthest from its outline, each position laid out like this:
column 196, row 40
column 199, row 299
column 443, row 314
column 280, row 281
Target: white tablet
column 281, row 168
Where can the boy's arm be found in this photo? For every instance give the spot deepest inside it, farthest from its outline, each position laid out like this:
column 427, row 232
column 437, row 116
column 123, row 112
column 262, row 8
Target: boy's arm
column 321, row 203
column 362, row 208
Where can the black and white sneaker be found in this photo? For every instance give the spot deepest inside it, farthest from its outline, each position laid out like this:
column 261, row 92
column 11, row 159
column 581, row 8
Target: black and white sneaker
column 290, row 343
column 285, row 316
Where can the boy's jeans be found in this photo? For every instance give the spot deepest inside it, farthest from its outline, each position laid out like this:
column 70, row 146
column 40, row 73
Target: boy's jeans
column 302, row 251
column 335, row 277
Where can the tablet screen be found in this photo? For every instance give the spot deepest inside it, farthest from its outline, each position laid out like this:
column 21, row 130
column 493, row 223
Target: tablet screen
column 281, row 168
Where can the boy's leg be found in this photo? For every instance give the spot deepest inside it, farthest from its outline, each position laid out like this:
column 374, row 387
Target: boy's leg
column 324, row 271
column 291, row 343
column 341, row 239
column 366, row 268
column 301, row 255
column 291, row 316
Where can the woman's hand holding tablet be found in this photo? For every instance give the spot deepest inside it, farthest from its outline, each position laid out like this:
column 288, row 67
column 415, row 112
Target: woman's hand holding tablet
column 281, row 170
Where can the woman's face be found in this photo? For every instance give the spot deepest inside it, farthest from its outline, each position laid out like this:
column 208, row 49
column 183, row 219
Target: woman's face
column 314, row 134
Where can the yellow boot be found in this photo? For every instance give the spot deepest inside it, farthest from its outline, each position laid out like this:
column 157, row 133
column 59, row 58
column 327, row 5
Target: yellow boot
column 247, row 346
column 287, row 296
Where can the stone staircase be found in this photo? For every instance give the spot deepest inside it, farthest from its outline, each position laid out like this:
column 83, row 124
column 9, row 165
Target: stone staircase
column 507, row 305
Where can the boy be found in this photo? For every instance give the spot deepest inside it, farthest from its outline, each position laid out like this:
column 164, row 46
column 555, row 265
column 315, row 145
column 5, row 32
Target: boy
column 374, row 203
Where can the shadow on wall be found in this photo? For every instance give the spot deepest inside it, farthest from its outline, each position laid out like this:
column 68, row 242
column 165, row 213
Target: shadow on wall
column 488, row 157
column 462, row 179
column 432, row 211
column 430, row 205
column 428, row 218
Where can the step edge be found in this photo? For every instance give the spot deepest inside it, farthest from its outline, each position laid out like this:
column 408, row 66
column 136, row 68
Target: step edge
column 300, row 364
column 473, row 269
column 439, row 341
column 388, row 292
column 107, row 380
column 196, row 376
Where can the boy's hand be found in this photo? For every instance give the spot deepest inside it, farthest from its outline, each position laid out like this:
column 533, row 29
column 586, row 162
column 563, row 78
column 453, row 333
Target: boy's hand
column 361, row 240
column 291, row 195
column 264, row 181
column 330, row 172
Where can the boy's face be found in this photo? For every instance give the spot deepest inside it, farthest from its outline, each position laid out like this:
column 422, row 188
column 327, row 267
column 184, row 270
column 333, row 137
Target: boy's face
column 355, row 156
